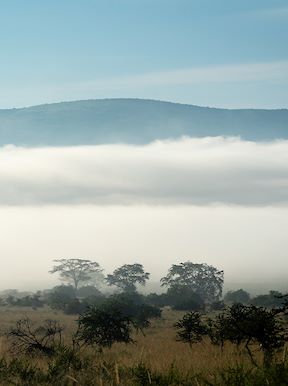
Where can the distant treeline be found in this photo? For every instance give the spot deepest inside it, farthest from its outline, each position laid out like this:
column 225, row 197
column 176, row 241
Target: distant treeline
column 189, row 287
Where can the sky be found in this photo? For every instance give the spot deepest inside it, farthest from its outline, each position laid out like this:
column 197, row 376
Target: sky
column 218, row 53
column 218, row 200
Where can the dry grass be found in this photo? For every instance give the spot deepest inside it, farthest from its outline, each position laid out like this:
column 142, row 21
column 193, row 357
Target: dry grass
column 158, row 349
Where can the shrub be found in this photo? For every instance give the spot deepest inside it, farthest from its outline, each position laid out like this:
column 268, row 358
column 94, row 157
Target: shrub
column 115, row 319
column 183, row 298
column 104, row 326
column 273, row 299
column 25, row 338
column 191, row 328
column 238, row 296
column 247, row 325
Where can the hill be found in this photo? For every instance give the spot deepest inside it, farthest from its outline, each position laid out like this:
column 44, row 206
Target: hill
column 133, row 121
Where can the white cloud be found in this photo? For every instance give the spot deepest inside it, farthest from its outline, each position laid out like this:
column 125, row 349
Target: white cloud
column 185, row 171
column 261, row 71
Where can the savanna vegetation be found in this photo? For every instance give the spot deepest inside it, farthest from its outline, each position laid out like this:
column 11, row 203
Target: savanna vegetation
column 100, row 330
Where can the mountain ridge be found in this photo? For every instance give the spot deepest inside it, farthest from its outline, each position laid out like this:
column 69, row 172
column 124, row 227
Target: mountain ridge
column 134, row 120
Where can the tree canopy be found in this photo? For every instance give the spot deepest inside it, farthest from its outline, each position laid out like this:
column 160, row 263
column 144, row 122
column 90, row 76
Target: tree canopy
column 76, row 271
column 128, row 276
column 205, row 280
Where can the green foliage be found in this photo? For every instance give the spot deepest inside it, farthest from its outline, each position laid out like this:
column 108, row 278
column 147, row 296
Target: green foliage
column 273, row 299
column 238, row 296
column 247, row 325
column 64, row 298
column 184, row 298
column 128, row 276
column 205, row 280
column 114, row 320
column 238, row 324
column 20, row 372
column 76, row 271
column 61, row 297
column 191, row 329
column 104, row 326
column 134, row 306
column 180, row 298
column 87, row 291
column 159, row 300
column 275, row 375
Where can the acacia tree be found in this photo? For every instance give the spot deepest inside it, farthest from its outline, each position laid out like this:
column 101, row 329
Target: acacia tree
column 76, row 271
column 205, row 280
column 128, row 276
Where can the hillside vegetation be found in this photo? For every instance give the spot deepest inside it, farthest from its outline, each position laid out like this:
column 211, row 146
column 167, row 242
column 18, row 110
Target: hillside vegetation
column 133, row 121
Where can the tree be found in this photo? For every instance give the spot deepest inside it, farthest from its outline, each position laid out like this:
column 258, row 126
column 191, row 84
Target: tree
column 115, row 319
column 128, row 276
column 248, row 325
column 104, row 326
column 76, row 271
column 242, row 325
column 191, row 329
column 205, row 280
column 239, row 296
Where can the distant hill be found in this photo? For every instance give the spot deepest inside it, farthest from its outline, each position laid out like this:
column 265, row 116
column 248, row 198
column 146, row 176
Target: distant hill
column 133, row 121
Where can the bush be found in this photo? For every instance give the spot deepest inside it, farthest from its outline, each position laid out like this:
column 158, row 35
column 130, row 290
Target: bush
column 104, row 326
column 133, row 306
column 158, row 300
column 239, row 296
column 87, row 291
column 273, row 299
column 61, row 296
column 247, row 325
column 191, row 328
column 44, row 339
column 114, row 320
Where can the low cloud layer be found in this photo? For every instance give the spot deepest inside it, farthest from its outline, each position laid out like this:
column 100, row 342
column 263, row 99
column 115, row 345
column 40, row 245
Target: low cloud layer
column 185, row 171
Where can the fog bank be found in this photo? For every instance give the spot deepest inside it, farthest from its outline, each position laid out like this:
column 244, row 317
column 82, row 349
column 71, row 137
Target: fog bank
column 184, row 171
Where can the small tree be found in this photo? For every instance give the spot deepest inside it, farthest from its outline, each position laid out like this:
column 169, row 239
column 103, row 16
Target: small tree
column 250, row 324
column 191, row 328
column 114, row 320
column 76, row 271
column 205, row 280
column 241, row 325
column 128, row 276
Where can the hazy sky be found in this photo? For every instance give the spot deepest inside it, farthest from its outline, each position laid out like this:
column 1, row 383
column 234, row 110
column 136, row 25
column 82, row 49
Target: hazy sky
column 218, row 53
column 250, row 244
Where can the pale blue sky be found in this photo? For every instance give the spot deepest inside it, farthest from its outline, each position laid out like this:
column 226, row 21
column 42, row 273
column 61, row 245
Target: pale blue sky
column 219, row 53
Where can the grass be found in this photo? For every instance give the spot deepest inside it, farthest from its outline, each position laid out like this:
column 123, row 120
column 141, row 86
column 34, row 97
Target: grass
column 156, row 357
